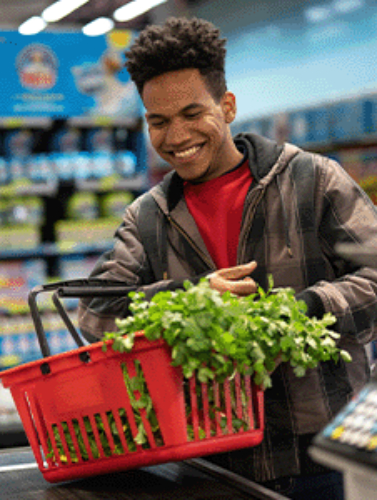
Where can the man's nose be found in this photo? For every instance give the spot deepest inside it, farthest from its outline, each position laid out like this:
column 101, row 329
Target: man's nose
column 177, row 133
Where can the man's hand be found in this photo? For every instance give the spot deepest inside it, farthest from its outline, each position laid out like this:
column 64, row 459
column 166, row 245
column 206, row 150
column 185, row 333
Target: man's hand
column 234, row 279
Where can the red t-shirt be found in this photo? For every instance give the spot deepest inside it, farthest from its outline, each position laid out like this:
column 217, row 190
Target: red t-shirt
column 217, row 206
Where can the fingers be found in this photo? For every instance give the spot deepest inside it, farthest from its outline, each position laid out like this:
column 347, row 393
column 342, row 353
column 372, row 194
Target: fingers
column 237, row 272
column 235, row 279
column 243, row 287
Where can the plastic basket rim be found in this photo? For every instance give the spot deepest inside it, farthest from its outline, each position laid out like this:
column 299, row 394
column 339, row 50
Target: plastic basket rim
column 139, row 336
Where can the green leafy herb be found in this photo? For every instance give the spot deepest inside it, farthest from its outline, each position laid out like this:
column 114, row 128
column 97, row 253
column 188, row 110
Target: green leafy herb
column 214, row 335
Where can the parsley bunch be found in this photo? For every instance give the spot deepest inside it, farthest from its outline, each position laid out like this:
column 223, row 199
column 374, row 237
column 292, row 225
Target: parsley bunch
column 214, row 335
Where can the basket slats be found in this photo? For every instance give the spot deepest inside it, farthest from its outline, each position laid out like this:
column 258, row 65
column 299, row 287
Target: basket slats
column 119, row 427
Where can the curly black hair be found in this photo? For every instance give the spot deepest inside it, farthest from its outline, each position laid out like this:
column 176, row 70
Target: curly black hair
column 179, row 44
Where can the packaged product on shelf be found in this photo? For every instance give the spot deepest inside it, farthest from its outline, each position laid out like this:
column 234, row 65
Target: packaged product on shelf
column 40, row 169
column 125, row 163
column 64, row 164
column 17, row 277
column 17, row 212
column 18, row 146
column 75, row 165
column 120, row 137
column 99, row 139
column 74, row 267
column 102, row 164
column 17, row 168
column 4, row 171
column 71, row 234
column 21, row 237
column 67, row 140
column 3, row 212
column 83, row 206
column 299, row 127
column 114, row 204
column 18, row 143
column 8, row 411
column 25, row 210
column 83, row 165
column 19, row 342
column 371, row 114
column 347, row 120
column 35, row 210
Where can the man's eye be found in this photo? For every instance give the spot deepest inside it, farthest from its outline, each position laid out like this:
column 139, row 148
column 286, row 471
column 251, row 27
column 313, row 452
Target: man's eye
column 157, row 124
column 192, row 115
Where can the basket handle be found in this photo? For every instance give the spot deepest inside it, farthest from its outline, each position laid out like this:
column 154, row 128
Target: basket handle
column 75, row 289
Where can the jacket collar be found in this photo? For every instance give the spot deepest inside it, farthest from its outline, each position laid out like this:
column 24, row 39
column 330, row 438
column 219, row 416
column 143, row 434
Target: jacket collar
column 263, row 153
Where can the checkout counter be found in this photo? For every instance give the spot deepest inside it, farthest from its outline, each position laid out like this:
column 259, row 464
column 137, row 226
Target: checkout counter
column 349, row 444
column 195, row 479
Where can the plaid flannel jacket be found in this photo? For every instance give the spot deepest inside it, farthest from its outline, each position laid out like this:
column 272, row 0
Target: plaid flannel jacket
column 299, row 208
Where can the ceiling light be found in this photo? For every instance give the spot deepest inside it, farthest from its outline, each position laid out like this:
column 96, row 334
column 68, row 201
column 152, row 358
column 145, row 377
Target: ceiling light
column 32, row 26
column 61, row 9
column 99, row 26
column 135, row 8
column 317, row 14
column 345, row 6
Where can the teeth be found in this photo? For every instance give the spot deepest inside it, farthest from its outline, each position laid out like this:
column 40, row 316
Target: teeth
column 187, row 152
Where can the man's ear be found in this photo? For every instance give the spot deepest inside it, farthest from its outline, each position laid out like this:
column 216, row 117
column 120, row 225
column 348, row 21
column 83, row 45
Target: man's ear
column 229, row 106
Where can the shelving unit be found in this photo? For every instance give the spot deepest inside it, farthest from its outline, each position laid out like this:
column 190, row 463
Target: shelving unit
column 54, row 242
column 345, row 130
column 57, row 243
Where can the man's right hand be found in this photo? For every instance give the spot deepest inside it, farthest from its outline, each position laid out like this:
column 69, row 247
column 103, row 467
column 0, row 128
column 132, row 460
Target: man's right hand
column 234, row 279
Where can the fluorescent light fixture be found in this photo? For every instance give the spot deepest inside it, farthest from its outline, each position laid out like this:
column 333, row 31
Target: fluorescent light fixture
column 135, row 8
column 32, row 26
column 317, row 14
column 345, row 6
column 61, row 9
column 99, row 26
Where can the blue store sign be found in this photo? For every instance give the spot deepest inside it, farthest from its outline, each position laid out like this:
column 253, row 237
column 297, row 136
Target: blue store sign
column 66, row 74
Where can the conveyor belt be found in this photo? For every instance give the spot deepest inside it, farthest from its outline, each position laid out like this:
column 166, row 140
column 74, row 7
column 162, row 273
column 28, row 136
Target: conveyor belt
column 20, row 479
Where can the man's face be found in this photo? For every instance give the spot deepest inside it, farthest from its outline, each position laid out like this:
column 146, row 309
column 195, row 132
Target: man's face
column 187, row 127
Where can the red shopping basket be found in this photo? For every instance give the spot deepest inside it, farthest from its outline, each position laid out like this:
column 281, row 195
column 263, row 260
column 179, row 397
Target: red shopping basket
column 89, row 411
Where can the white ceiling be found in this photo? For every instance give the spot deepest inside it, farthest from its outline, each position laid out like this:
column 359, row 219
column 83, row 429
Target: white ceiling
column 15, row 12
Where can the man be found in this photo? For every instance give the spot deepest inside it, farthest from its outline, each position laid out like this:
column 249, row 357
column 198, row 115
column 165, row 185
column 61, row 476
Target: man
column 238, row 210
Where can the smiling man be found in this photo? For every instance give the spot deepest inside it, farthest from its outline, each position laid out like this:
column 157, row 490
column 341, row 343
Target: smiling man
column 238, row 210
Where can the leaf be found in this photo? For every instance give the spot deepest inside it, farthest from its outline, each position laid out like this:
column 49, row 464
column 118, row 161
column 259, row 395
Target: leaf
column 299, row 371
column 345, row 355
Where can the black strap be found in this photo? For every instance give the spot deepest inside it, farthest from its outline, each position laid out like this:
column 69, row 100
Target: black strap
column 303, row 176
column 153, row 233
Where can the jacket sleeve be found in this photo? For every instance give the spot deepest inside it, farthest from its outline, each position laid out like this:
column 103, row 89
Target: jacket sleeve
column 127, row 264
column 346, row 215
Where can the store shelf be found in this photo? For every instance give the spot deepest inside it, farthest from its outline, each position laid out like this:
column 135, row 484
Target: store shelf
column 54, row 250
column 137, row 183
column 104, row 121
column 27, row 121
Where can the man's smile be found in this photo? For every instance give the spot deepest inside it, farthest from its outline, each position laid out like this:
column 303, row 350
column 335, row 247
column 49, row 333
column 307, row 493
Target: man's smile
column 187, row 152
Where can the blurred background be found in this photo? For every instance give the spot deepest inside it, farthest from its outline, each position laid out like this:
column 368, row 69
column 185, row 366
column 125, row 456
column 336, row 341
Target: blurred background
column 73, row 145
